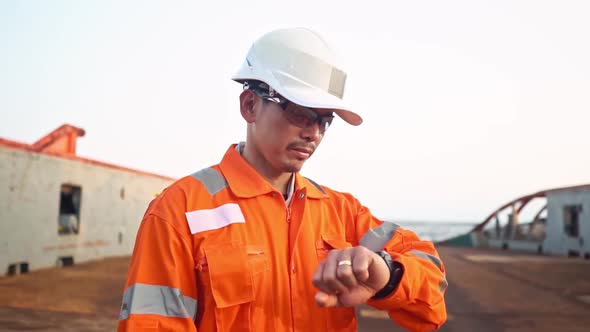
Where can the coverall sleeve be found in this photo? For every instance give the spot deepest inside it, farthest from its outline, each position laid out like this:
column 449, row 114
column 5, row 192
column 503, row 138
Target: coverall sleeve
column 160, row 292
column 417, row 303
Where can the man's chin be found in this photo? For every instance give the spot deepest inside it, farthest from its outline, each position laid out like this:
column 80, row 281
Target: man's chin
column 293, row 167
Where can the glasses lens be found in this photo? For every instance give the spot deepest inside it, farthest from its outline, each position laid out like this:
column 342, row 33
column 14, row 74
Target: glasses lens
column 297, row 115
column 304, row 117
column 300, row 116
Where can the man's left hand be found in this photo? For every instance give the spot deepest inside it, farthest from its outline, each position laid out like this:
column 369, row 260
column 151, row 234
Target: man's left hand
column 349, row 277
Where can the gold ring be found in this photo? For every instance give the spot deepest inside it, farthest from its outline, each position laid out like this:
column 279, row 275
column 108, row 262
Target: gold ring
column 345, row 262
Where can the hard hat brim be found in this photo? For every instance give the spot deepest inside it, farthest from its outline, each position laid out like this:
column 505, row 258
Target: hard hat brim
column 316, row 98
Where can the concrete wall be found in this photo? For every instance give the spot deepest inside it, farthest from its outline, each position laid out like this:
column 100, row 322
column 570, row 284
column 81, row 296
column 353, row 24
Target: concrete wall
column 556, row 241
column 30, row 187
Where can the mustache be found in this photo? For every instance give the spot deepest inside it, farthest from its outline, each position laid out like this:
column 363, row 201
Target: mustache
column 304, row 145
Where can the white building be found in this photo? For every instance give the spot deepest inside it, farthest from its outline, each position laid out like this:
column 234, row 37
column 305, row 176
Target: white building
column 568, row 222
column 57, row 208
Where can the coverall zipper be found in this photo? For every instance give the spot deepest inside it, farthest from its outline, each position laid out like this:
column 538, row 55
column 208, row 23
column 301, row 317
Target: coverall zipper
column 289, row 267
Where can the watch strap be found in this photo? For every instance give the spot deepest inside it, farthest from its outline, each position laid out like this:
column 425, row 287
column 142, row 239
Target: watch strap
column 395, row 275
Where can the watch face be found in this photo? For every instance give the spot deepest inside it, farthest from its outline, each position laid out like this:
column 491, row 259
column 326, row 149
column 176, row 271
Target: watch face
column 386, row 256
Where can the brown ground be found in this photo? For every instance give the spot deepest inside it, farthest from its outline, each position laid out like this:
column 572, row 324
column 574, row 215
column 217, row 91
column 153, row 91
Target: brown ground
column 84, row 297
column 489, row 291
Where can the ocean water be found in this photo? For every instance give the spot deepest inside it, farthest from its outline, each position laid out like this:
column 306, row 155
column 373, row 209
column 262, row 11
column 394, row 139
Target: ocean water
column 437, row 231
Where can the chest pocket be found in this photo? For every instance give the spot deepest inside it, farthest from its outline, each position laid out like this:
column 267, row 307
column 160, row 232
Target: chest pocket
column 230, row 275
column 329, row 242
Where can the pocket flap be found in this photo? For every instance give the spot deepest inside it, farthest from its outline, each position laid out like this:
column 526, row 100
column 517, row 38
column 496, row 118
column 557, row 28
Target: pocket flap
column 329, row 242
column 229, row 275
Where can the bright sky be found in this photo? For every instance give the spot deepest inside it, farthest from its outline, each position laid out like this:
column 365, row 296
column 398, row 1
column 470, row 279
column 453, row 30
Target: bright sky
column 467, row 104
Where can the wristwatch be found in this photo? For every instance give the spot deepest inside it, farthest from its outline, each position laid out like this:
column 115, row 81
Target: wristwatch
column 396, row 271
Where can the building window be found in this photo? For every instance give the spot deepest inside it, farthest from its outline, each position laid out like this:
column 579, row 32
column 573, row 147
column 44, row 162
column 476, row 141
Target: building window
column 571, row 220
column 69, row 209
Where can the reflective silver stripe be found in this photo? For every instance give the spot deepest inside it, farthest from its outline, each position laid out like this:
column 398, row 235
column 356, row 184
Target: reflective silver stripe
column 375, row 239
column 213, row 181
column 443, row 284
column 429, row 257
column 159, row 300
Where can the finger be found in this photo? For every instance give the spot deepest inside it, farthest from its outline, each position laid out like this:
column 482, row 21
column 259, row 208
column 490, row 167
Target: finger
column 329, row 277
column 317, row 279
column 360, row 264
column 324, row 300
column 344, row 270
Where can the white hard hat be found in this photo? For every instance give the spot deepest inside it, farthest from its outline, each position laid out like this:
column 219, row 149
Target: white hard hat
column 298, row 64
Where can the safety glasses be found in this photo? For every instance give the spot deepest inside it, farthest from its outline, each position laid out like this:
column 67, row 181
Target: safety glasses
column 297, row 115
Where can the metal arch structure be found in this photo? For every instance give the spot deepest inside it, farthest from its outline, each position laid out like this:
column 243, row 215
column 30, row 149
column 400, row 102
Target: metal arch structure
column 523, row 201
column 544, row 208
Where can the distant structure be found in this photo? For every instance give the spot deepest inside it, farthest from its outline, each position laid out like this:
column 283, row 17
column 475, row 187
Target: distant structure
column 57, row 208
column 561, row 226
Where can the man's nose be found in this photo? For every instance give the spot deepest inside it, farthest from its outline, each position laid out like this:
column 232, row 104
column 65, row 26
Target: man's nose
column 312, row 133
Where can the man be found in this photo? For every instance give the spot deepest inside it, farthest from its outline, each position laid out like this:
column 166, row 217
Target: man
column 252, row 245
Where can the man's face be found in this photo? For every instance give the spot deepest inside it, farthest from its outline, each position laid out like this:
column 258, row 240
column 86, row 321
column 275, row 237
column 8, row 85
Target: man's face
column 283, row 145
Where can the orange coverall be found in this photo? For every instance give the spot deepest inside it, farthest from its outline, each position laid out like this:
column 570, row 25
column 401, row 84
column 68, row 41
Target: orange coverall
column 221, row 251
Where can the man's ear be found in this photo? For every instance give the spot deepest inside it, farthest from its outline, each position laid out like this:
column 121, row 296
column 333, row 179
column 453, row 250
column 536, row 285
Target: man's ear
column 248, row 101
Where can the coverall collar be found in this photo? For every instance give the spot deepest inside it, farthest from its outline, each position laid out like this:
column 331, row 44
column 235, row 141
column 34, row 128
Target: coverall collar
column 244, row 181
